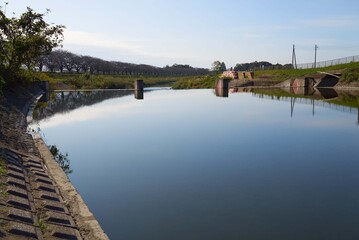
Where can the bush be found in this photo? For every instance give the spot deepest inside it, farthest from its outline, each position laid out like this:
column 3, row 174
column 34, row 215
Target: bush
column 351, row 74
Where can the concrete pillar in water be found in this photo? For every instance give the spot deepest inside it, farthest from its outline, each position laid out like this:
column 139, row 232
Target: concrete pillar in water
column 138, row 85
column 222, row 84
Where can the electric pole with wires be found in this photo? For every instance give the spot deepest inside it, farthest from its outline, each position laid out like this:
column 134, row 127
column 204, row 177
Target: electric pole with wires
column 294, row 58
column 315, row 56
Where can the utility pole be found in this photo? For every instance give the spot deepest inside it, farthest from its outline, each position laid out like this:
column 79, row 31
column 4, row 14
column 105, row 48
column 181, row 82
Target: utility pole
column 315, row 55
column 294, row 58
column 6, row 3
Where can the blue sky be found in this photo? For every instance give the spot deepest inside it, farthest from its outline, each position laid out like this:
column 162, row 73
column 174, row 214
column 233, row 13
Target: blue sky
column 161, row 32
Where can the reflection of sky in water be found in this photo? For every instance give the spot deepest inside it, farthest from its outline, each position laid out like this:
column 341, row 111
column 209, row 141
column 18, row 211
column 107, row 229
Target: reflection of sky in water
column 189, row 165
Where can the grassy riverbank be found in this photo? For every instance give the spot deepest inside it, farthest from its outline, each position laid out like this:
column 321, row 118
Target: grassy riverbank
column 74, row 81
column 350, row 76
column 350, row 72
column 60, row 81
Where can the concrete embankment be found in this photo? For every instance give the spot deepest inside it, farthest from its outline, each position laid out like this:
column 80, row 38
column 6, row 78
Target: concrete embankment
column 37, row 200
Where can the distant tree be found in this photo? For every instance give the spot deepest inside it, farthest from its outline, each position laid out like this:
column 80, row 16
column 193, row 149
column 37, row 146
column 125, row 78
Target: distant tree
column 23, row 40
column 253, row 66
column 218, row 66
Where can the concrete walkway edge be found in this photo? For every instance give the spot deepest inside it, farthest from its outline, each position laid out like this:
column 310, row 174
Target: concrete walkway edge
column 88, row 225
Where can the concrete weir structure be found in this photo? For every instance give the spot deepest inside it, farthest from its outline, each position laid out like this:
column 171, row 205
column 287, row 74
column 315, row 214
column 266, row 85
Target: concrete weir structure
column 37, row 199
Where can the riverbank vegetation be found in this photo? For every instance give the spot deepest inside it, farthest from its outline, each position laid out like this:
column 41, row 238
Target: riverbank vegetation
column 22, row 41
column 207, row 81
column 73, row 81
column 338, row 97
column 349, row 71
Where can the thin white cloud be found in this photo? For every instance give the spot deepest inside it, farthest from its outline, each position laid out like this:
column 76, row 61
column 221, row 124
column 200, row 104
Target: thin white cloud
column 100, row 40
column 127, row 50
column 336, row 22
column 253, row 36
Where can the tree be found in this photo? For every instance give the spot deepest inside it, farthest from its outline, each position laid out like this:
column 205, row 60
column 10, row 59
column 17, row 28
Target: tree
column 218, row 66
column 23, row 40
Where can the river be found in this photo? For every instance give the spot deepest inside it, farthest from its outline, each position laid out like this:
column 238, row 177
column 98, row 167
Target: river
column 188, row 164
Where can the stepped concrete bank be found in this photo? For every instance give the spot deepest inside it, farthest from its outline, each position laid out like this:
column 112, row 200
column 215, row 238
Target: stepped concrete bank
column 37, row 200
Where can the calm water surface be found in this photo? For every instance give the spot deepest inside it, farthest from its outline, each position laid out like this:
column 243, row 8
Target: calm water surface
column 190, row 165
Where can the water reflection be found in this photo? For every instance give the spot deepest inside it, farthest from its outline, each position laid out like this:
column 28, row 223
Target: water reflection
column 327, row 93
column 341, row 100
column 221, row 92
column 271, row 170
column 62, row 102
column 45, row 97
column 138, row 94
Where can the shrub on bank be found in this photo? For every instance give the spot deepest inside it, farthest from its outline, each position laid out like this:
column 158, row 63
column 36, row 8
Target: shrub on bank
column 351, row 74
column 198, row 82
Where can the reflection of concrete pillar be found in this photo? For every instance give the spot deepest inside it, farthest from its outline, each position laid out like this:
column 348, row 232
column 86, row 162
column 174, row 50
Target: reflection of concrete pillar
column 358, row 117
column 221, row 92
column 139, row 85
column 138, row 94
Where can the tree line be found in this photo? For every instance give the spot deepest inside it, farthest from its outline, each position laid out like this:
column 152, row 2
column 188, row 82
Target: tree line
column 219, row 67
column 28, row 43
column 262, row 65
column 64, row 61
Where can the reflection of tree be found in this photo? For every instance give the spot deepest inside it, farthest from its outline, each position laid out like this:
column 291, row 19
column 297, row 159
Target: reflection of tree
column 61, row 159
column 67, row 101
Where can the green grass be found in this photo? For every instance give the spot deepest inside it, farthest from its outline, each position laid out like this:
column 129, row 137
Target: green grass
column 3, row 173
column 207, row 81
column 41, row 224
column 2, row 166
column 285, row 74
column 88, row 81
column 63, row 81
